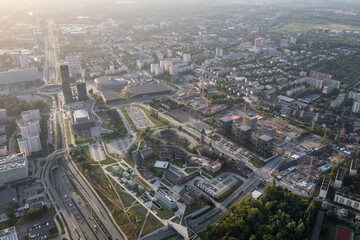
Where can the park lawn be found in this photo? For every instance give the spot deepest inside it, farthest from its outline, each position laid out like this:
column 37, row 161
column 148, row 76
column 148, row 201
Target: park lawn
column 197, row 205
column 137, row 216
column 257, row 162
column 304, row 27
column 68, row 134
column 163, row 213
column 151, row 224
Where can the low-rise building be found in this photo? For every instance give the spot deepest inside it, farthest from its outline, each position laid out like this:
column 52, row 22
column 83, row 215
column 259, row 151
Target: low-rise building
column 187, row 198
column 146, row 153
column 165, row 199
column 81, row 120
column 161, row 165
column 175, row 177
column 214, row 166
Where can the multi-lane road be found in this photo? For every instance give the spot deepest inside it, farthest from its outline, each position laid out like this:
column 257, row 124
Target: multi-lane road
column 50, row 74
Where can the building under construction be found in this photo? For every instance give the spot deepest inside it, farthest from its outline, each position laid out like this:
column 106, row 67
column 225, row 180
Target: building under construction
column 243, row 135
column 250, row 121
column 264, row 145
column 225, row 126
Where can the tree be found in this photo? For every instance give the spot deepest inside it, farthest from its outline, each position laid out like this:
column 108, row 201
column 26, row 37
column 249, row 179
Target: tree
column 337, row 138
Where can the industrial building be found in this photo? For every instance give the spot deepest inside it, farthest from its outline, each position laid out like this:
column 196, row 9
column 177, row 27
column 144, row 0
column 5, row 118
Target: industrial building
column 13, row 168
column 324, row 187
column 148, row 90
column 225, row 126
column 81, row 89
column 165, row 199
column 264, row 145
column 31, row 115
column 30, row 128
column 81, row 120
column 243, row 135
column 110, row 96
column 340, row 177
column 30, row 144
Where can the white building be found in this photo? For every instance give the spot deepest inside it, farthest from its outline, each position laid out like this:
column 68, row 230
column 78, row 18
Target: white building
column 324, row 187
column 347, row 200
column 31, row 115
column 30, row 144
column 219, row 52
column 174, row 70
column 159, row 71
column 30, row 129
column 340, row 177
column 356, row 107
column 187, row 58
column 13, row 168
column 153, row 67
column 3, row 116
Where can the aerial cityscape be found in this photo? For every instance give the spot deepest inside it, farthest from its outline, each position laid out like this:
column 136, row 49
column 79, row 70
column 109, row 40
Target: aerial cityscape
column 182, row 119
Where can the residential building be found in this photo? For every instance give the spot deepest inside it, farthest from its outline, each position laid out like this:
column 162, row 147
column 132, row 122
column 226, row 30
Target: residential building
column 340, row 177
column 324, row 187
column 165, row 199
column 31, row 115
column 356, row 107
column 30, row 144
column 187, row 58
column 3, row 116
column 354, row 167
column 30, row 128
column 13, row 168
column 3, row 151
column 8, row 234
column 347, row 200
column 338, row 101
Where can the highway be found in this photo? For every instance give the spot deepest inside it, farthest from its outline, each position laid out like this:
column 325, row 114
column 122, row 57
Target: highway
column 50, row 74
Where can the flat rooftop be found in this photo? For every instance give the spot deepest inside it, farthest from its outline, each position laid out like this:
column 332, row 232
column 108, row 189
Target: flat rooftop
column 149, row 89
column 81, row 115
column 325, row 184
column 340, row 174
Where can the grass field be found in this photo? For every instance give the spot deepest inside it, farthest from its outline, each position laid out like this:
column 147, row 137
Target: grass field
column 151, row 225
column 304, row 27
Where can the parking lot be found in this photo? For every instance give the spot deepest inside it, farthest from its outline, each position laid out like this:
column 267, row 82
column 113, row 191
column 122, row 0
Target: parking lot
column 36, row 230
column 139, row 118
column 119, row 146
column 96, row 152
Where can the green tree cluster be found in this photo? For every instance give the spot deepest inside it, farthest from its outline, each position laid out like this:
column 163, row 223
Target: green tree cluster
column 280, row 214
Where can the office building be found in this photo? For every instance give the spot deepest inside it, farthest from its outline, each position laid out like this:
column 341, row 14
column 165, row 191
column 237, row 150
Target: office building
column 30, row 144
column 81, row 89
column 28, row 129
column 13, row 168
column 264, row 145
column 31, row 115
column 347, row 200
column 19, row 77
column 65, row 77
column 165, row 199
column 175, row 177
column 324, row 187
column 340, row 177
column 356, row 107
column 136, row 158
column 3, row 116
column 81, row 119
column 146, row 153
column 243, row 135
column 225, row 126
column 187, row 198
